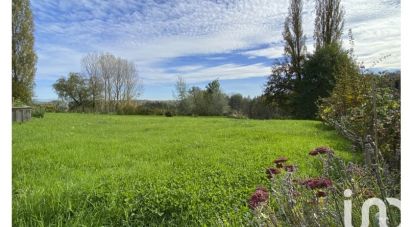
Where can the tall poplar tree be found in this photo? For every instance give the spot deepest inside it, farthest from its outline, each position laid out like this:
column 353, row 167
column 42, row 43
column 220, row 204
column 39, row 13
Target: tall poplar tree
column 282, row 85
column 294, row 38
column 329, row 22
column 23, row 56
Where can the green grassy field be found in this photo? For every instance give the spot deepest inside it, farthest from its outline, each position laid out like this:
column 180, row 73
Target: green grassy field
column 94, row 170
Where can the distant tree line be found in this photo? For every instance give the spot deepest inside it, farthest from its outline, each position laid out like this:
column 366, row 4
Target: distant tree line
column 208, row 101
column 106, row 84
column 212, row 101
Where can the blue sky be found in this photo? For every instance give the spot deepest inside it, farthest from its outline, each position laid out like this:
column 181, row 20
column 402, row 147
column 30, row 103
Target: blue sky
column 235, row 41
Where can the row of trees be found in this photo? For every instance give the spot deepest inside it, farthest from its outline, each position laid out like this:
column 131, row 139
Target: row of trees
column 105, row 84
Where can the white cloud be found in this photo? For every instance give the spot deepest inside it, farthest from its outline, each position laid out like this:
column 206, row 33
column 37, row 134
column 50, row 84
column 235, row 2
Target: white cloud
column 376, row 30
column 188, row 68
column 55, row 61
column 202, row 74
column 229, row 71
column 269, row 52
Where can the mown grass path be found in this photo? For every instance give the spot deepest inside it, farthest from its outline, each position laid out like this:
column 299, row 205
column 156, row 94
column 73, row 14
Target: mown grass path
column 85, row 169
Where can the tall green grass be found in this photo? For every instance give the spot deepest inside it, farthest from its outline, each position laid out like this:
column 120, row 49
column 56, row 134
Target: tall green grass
column 94, row 170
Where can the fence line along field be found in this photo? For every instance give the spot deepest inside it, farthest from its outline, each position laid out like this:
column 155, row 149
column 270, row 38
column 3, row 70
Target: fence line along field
column 106, row 170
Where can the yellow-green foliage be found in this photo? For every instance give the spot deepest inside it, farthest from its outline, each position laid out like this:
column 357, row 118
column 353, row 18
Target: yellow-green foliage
column 349, row 92
column 357, row 99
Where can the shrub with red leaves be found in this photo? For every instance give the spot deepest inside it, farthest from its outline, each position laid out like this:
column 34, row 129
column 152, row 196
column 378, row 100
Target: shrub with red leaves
column 272, row 171
column 321, row 194
column 259, row 197
column 318, row 183
column 324, row 150
column 321, row 150
column 313, row 152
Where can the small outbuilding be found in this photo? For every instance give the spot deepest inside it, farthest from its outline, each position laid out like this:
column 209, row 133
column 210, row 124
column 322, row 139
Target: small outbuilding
column 21, row 114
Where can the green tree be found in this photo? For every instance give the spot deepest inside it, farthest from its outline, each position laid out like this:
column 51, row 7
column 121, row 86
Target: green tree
column 196, row 101
column 294, row 38
column 321, row 71
column 236, row 102
column 95, row 87
column 280, row 89
column 282, row 83
column 213, row 87
column 23, row 56
column 211, row 101
column 182, row 93
column 91, row 68
column 329, row 22
column 216, row 100
column 259, row 108
column 74, row 89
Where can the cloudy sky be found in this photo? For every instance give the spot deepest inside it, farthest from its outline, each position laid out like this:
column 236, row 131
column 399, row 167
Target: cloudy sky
column 235, row 41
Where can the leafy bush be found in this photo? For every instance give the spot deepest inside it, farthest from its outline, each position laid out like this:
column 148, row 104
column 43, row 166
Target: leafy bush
column 353, row 106
column 317, row 201
column 169, row 113
column 127, row 109
column 38, row 112
column 144, row 110
column 18, row 103
column 321, row 72
column 155, row 107
column 51, row 108
column 237, row 115
column 260, row 108
column 60, row 106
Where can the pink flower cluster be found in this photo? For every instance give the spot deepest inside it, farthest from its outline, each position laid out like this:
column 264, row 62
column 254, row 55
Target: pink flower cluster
column 317, row 183
column 259, row 197
column 321, row 150
column 280, row 164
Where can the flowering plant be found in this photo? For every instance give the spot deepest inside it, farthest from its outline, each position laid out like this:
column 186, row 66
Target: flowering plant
column 291, row 200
